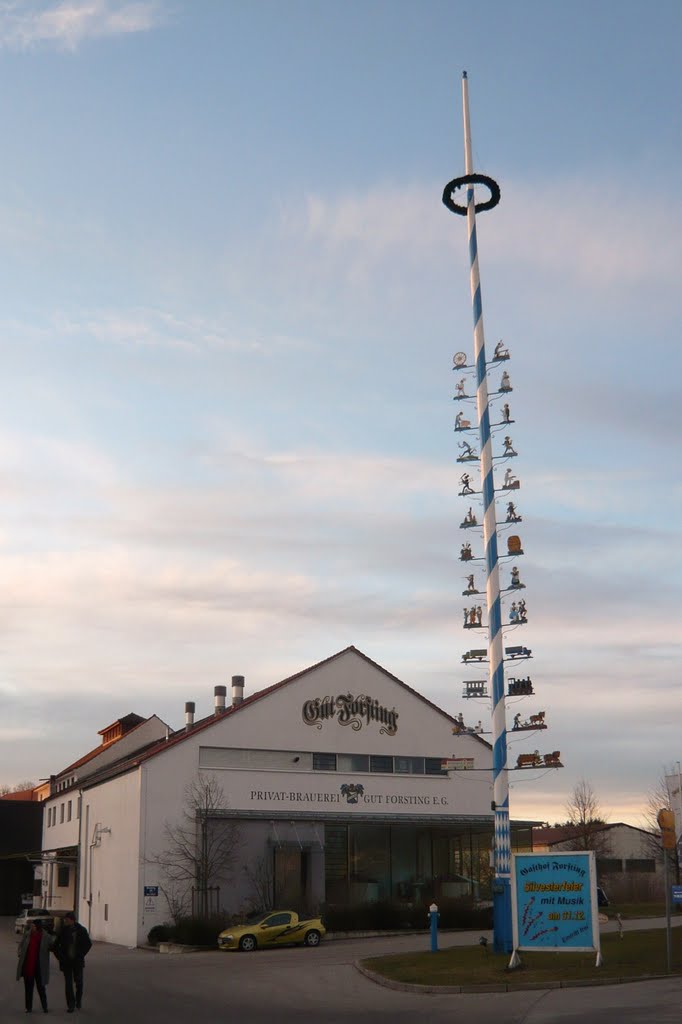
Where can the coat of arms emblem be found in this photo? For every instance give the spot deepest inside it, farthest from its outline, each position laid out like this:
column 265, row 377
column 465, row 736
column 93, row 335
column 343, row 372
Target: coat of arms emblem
column 352, row 791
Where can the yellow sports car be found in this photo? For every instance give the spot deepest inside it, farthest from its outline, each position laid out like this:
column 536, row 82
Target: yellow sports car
column 279, row 928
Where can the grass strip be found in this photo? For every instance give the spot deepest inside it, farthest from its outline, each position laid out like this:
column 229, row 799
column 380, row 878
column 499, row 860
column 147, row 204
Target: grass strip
column 637, row 954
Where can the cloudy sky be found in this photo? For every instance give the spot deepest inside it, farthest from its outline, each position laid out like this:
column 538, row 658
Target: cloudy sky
column 231, row 295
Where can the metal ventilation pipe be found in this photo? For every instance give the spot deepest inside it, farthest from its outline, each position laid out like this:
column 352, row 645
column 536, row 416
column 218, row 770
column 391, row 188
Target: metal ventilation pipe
column 237, row 690
column 190, row 708
column 219, row 695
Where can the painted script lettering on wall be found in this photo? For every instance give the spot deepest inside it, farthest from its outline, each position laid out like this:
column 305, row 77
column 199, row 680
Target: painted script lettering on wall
column 349, row 710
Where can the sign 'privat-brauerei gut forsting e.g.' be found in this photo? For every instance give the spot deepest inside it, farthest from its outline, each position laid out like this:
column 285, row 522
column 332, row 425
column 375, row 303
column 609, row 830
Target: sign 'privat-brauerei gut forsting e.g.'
column 554, row 903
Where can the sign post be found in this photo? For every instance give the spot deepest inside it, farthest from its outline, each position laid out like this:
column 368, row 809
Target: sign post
column 666, row 823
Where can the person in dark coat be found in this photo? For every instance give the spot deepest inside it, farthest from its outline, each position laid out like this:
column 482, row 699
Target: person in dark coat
column 71, row 948
column 34, row 963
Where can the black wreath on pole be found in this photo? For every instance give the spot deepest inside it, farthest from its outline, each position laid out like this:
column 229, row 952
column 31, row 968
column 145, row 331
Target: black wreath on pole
column 471, row 179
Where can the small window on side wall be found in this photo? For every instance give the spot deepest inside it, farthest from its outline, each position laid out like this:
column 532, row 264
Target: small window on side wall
column 353, row 762
column 324, row 762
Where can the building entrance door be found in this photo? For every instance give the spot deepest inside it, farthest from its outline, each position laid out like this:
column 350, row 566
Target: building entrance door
column 291, row 879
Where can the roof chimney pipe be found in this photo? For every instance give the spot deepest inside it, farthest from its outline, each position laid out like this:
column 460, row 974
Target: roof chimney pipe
column 219, row 695
column 190, row 708
column 237, row 690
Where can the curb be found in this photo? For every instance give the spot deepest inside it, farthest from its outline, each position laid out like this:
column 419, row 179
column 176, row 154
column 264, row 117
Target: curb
column 178, row 947
column 531, row 986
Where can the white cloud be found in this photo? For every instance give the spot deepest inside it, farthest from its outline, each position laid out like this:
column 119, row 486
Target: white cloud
column 38, row 463
column 25, row 24
column 359, row 240
column 602, row 248
column 141, row 327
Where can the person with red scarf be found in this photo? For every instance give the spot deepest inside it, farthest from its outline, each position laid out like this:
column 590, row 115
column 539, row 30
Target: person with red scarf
column 34, row 963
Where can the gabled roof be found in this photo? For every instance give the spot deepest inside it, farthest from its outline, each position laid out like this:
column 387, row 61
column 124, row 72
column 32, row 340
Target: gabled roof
column 21, row 794
column 160, row 746
column 121, row 726
column 129, row 723
column 565, row 833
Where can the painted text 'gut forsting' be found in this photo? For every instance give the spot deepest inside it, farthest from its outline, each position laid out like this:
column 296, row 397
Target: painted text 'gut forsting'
column 349, row 710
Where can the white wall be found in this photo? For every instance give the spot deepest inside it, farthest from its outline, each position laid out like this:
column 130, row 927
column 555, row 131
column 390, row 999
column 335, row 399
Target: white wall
column 276, row 721
column 65, row 833
column 110, row 870
column 630, row 843
column 162, row 788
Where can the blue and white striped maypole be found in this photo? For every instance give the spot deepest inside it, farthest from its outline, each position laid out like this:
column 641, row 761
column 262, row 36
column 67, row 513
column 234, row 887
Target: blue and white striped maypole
column 502, row 848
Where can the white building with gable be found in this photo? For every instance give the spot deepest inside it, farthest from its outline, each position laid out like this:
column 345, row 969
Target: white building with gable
column 338, row 782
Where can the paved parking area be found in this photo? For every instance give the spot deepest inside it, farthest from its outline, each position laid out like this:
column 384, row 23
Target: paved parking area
column 313, row 986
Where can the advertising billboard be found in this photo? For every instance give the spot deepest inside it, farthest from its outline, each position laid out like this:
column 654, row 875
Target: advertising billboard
column 554, row 902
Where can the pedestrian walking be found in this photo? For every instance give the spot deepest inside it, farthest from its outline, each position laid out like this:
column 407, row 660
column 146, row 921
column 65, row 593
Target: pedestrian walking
column 34, row 963
column 71, row 948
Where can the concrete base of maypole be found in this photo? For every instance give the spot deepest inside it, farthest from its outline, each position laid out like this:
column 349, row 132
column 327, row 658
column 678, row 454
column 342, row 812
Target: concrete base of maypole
column 503, row 940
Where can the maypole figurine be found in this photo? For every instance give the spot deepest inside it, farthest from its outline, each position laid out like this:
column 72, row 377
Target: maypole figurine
column 465, row 481
column 468, row 452
column 469, row 520
column 515, row 578
column 512, row 514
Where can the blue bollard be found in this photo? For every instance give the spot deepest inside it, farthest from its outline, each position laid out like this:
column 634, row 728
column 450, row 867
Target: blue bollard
column 433, row 916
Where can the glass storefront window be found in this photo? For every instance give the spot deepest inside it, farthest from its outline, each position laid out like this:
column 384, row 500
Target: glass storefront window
column 370, row 864
column 424, row 862
column 405, row 888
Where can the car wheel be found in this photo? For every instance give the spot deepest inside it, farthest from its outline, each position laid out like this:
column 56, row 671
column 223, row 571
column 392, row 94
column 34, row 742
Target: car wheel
column 247, row 943
column 312, row 938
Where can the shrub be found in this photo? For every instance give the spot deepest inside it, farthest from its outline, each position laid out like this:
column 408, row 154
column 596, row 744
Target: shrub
column 463, row 913
column 160, row 933
column 199, row 931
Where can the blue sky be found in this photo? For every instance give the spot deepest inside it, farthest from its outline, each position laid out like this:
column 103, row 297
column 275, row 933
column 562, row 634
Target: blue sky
column 231, row 299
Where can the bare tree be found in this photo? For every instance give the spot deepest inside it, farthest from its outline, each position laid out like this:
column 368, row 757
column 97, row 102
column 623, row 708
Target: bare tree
column 657, row 799
column 261, row 877
column 201, row 847
column 19, row 787
column 586, row 821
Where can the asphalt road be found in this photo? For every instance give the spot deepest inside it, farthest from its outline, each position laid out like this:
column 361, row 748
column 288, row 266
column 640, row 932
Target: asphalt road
column 314, row 986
